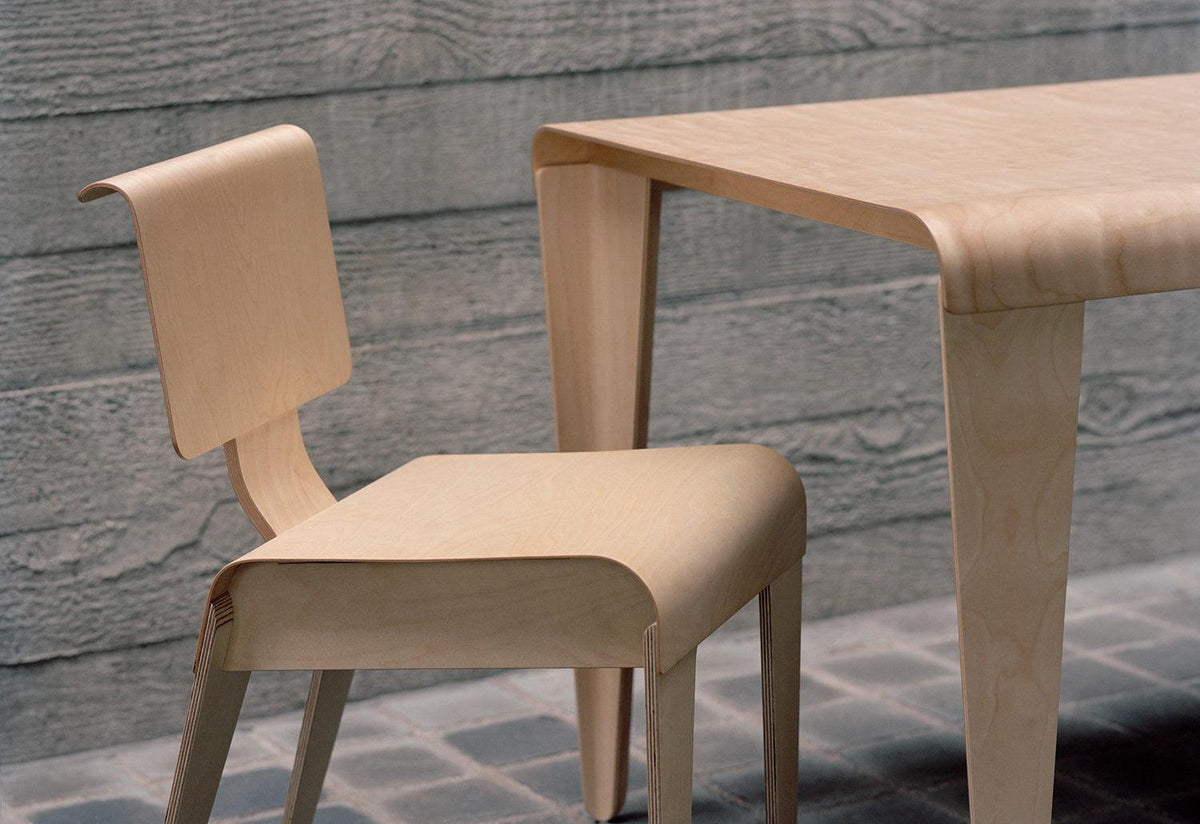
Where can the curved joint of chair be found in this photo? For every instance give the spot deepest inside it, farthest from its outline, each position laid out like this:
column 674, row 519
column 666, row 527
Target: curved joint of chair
column 275, row 482
column 274, row 479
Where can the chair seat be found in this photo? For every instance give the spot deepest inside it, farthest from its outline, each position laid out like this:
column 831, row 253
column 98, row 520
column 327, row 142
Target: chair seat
column 556, row 559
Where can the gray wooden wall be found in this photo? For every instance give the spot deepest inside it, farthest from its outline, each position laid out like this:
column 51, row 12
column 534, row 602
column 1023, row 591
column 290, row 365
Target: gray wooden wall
column 818, row 342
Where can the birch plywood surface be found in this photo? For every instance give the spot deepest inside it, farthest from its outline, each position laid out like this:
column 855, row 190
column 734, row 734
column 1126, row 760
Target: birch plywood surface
column 736, row 512
column 240, row 278
column 1031, row 196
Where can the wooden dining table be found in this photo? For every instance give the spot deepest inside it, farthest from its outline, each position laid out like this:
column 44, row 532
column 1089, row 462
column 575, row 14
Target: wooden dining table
column 1036, row 200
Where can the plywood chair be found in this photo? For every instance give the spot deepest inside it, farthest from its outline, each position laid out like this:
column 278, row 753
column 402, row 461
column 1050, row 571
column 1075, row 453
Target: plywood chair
column 587, row 559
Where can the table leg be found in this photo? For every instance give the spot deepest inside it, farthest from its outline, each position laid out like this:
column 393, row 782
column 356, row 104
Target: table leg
column 1011, row 383
column 599, row 231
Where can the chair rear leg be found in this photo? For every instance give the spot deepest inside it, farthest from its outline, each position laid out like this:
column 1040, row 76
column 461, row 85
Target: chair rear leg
column 779, row 624
column 670, row 718
column 322, row 715
column 212, row 717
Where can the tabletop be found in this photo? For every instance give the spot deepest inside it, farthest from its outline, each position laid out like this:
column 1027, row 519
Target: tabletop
column 1031, row 196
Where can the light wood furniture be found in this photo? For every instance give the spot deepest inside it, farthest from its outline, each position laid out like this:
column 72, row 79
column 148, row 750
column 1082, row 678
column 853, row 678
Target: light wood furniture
column 1036, row 200
column 595, row 559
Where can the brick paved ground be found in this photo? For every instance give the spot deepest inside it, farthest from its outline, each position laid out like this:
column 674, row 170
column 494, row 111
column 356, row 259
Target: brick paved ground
column 881, row 720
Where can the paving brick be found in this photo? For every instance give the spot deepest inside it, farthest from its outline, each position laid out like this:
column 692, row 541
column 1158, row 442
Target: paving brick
column 893, row 810
column 845, row 635
column 281, row 731
column 1071, row 799
column 557, row 817
column 857, row 721
column 1145, row 770
column 727, row 745
column 943, row 698
column 1185, row 808
column 63, row 779
column 520, row 740
column 887, row 668
column 946, row 650
column 548, row 686
column 1080, row 734
column 558, row 779
column 706, row 809
column 393, row 767
column 814, row 692
column 934, row 618
column 1084, row 679
column 156, row 759
column 722, row 657
column 460, row 802
column 251, row 792
column 9, row 814
column 360, row 721
column 916, row 762
column 1154, row 712
column 108, row 811
column 1128, row 584
column 745, row 692
column 823, row 782
column 1184, row 565
column 1124, row 814
column 1178, row 660
column 1184, row 611
column 456, row 704
column 1109, row 629
column 363, row 720
column 1078, row 600
column 339, row 814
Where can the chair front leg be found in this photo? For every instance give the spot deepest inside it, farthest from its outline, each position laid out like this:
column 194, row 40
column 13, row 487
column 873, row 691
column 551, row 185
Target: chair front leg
column 212, row 717
column 779, row 625
column 322, row 715
column 670, row 719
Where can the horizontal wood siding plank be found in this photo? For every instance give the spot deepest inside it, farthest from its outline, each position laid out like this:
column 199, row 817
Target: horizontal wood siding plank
column 138, row 529
column 462, row 146
column 70, row 57
column 74, row 315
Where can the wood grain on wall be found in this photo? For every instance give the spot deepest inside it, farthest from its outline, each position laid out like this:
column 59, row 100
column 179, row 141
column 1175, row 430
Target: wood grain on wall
column 77, row 56
column 466, row 145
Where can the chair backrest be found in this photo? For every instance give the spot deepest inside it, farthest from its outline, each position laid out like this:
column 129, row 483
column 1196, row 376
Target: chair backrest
column 240, row 278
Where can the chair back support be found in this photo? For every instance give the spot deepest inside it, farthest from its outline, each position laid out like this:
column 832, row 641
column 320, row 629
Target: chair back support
column 241, row 283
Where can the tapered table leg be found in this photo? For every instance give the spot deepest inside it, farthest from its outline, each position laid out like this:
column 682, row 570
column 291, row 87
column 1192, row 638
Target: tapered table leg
column 599, row 244
column 1012, row 398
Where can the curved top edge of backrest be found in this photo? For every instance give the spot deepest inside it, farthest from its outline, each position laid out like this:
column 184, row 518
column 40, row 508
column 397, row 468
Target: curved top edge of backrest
column 241, row 283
